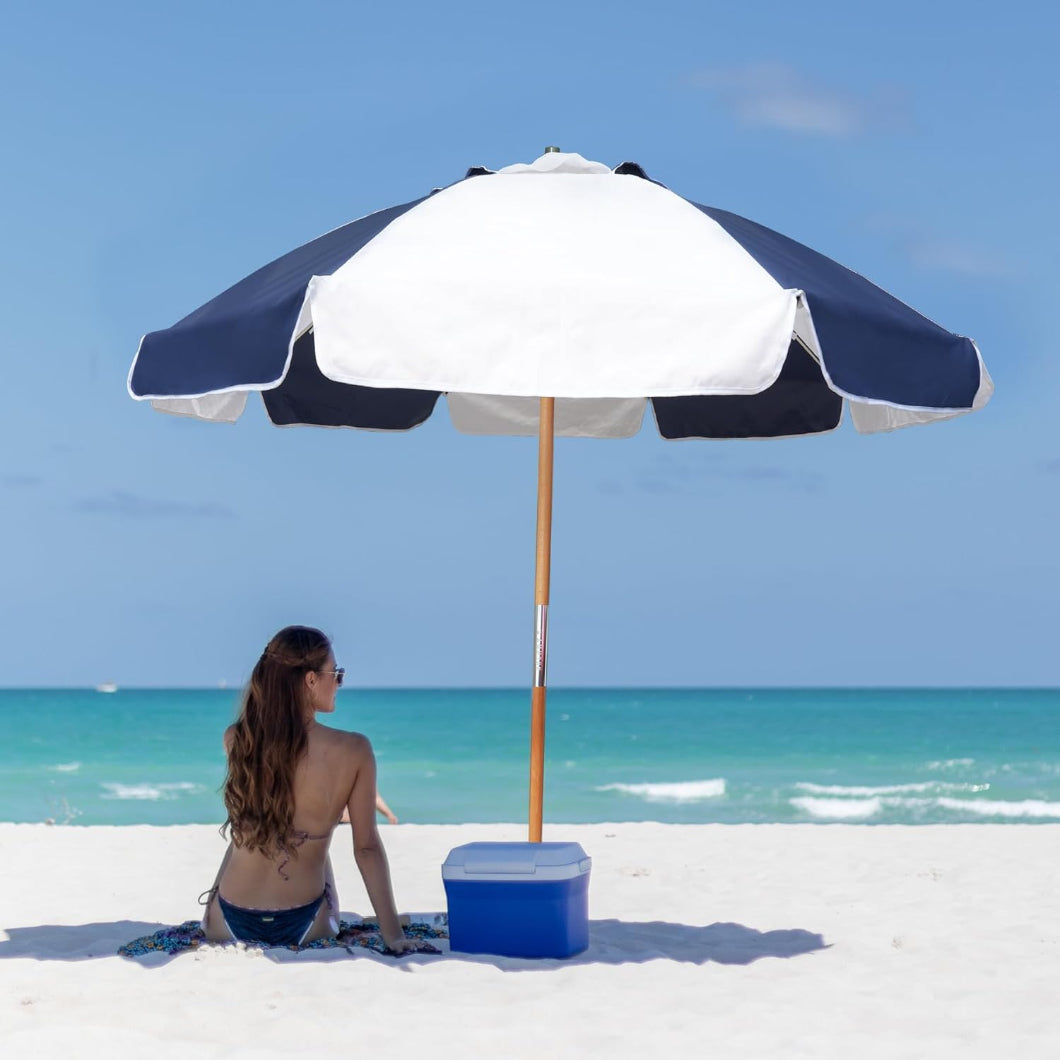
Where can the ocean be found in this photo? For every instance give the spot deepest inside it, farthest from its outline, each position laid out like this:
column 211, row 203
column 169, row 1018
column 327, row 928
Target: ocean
column 868, row 756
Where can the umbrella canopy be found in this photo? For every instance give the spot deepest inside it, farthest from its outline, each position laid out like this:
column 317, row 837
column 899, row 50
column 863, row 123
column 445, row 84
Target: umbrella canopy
column 560, row 297
column 567, row 279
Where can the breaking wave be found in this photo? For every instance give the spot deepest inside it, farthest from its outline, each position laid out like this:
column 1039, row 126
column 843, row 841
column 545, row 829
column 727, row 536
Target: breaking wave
column 682, row 791
column 888, row 789
column 991, row 808
column 855, row 809
column 838, row 809
column 149, row 792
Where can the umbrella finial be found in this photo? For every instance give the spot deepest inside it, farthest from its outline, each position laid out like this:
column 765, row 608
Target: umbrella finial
column 552, row 151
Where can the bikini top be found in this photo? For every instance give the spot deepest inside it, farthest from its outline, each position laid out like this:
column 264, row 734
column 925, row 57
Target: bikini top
column 297, row 839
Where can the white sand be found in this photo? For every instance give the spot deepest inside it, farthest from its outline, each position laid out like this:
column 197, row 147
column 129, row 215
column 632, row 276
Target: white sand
column 722, row 941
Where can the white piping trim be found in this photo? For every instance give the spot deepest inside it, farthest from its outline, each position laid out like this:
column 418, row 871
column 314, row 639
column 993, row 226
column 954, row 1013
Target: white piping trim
column 986, row 383
column 247, row 388
column 286, row 368
column 751, row 437
column 240, row 387
column 445, row 386
column 861, row 400
column 348, row 426
column 132, row 368
column 305, row 313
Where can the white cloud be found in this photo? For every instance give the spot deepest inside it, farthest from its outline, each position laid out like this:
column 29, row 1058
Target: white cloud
column 778, row 96
column 941, row 256
column 934, row 252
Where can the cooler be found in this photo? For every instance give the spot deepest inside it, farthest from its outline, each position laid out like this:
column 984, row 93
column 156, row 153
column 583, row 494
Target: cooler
column 518, row 899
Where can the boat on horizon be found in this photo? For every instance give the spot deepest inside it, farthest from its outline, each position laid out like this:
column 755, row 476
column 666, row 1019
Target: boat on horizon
column 107, row 686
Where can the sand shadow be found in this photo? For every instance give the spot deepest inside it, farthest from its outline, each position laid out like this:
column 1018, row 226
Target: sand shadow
column 610, row 942
column 635, row 942
column 92, row 942
column 72, row 942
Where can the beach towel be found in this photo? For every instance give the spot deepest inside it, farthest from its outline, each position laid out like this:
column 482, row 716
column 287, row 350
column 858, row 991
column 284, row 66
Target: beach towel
column 352, row 935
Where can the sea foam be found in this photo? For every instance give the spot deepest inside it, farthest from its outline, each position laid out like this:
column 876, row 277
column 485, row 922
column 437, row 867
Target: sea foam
column 148, row 792
column 682, row 791
column 888, row 789
column 65, row 767
column 838, row 809
column 992, row 808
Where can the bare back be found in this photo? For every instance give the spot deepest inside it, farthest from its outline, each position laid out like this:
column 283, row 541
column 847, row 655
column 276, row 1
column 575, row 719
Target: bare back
column 336, row 772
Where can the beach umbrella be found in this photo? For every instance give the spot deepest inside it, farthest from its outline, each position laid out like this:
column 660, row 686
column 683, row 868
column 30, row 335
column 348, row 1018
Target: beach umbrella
column 560, row 297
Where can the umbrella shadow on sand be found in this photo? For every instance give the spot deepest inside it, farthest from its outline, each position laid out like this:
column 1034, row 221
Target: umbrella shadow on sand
column 71, row 942
column 610, row 942
column 621, row 942
column 635, row 942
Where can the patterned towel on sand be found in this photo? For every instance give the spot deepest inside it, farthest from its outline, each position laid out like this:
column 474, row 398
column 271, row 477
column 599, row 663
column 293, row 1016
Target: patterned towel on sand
column 352, row 934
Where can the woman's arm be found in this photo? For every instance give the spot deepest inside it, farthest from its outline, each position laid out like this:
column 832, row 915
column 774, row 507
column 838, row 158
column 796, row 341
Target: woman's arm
column 386, row 811
column 368, row 849
column 211, row 894
column 381, row 807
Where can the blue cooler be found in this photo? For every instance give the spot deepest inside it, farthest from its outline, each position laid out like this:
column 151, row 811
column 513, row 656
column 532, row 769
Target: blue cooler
column 518, row 899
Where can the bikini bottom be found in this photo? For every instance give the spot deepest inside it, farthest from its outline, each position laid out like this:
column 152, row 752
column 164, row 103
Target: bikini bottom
column 271, row 927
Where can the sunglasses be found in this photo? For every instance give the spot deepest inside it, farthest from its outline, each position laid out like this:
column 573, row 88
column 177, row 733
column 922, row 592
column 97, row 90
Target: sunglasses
column 339, row 672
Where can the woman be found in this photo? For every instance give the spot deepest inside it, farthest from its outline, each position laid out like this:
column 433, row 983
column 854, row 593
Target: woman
column 289, row 780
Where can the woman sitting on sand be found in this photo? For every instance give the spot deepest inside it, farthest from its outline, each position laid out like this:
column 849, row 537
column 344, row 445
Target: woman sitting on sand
column 289, row 780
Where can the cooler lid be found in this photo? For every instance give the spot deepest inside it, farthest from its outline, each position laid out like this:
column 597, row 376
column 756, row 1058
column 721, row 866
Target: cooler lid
column 516, row 862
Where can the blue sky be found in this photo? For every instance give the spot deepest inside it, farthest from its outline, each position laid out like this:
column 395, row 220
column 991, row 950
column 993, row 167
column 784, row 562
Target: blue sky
column 154, row 154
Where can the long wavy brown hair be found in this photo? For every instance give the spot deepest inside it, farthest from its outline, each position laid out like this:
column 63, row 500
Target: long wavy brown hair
column 268, row 740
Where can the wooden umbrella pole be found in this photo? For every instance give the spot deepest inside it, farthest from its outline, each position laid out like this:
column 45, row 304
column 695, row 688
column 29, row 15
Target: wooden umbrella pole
column 545, row 435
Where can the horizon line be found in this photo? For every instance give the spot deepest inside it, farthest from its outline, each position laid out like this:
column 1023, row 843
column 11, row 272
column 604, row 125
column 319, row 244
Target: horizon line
column 238, row 687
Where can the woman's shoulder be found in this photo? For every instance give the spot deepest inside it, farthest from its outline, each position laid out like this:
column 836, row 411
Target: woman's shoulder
column 351, row 742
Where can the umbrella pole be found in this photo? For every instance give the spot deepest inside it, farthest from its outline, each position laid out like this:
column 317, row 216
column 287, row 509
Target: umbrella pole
column 542, row 568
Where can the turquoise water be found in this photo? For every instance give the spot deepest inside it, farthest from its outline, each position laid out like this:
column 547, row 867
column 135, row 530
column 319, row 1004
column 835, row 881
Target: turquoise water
column 683, row 756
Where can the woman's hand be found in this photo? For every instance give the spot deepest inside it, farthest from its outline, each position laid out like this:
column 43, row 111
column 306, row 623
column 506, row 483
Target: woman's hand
column 399, row 947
